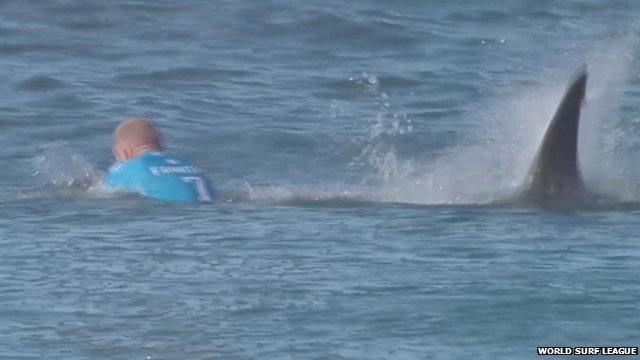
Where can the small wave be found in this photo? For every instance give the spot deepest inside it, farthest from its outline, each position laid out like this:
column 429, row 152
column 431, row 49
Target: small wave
column 7, row 32
column 89, row 25
column 40, row 83
column 17, row 49
column 179, row 74
column 481, row 16
column 76, row 9
column 326, row 26
column 152, row 8
column 368, row 81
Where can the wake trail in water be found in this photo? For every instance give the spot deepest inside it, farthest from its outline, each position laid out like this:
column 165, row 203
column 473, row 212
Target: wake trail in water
column 491, row 166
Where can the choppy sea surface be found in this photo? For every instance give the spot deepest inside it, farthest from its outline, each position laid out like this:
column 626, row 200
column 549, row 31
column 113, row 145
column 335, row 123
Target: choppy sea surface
column 366, row 156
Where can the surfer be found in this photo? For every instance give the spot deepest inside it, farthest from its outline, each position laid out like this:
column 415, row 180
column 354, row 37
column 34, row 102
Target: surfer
column 144, row 168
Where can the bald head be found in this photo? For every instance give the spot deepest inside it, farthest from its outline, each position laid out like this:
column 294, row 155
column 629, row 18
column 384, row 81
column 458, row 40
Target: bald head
column 133, row 137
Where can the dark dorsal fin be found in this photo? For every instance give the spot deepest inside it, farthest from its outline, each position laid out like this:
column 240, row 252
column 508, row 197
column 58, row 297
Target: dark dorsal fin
column 555, row 172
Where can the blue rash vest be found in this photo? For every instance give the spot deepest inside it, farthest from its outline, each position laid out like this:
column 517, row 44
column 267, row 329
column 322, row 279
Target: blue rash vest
column 159, row 176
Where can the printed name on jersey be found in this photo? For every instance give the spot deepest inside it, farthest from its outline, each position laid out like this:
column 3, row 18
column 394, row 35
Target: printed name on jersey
column 161, row 170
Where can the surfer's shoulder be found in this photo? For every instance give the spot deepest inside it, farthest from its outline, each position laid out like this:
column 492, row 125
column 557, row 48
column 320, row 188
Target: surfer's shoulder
column 125, row 172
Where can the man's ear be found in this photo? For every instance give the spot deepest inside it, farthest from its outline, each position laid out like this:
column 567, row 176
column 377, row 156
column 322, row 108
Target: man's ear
column 121, row 154
column 128, row 153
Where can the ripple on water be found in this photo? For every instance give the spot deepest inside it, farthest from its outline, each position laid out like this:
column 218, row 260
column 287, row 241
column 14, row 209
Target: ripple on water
column 179, row 74
column 40, row 83
column 19, row 49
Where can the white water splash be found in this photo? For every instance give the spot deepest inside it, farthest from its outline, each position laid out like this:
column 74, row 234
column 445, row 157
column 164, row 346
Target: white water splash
column 62, row 170
column 493, row 164
column 603, row 145
column 299, row 194
column 369, row 81
column 488, row 167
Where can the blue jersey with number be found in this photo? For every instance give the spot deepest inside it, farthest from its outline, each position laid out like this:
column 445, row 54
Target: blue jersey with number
column 159, row 176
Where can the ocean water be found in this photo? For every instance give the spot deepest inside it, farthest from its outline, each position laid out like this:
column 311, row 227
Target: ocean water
column 366, row 155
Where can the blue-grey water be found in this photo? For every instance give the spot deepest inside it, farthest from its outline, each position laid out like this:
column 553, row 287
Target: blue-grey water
column 365, row 155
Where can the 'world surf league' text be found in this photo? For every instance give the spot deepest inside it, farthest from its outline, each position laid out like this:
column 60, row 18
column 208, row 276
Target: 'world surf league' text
column 588, row 350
